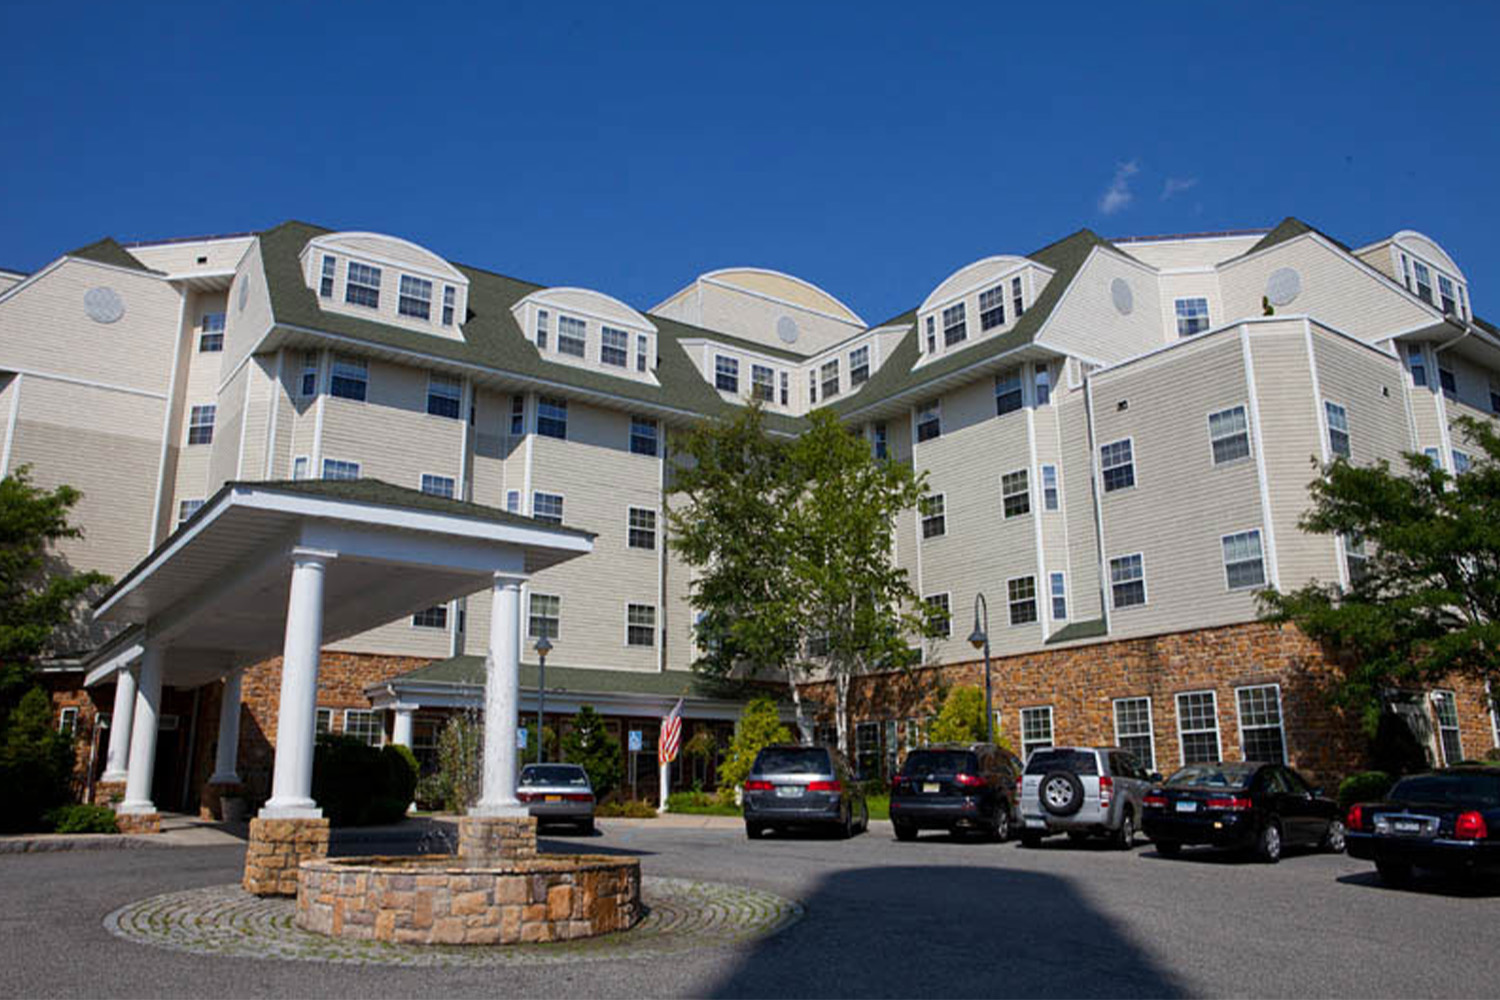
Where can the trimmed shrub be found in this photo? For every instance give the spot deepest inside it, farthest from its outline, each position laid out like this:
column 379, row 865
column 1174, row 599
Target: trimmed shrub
column 431, row 793
column 361, row 785
column 83, row 819
column 629, row 809
column 699, row 802
column 1364, row 786
column 36, row 765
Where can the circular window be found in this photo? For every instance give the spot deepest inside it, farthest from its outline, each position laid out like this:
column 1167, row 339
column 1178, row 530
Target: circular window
column 244, row 292
column 103, row 305
column 1283, row 286
column 786, row 329
column 1124, row 298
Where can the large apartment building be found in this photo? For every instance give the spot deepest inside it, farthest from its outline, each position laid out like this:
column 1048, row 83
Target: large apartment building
column 1118, row 437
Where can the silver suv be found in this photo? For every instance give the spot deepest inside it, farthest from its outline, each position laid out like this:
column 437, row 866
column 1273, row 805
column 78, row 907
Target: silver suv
column 1083, row 792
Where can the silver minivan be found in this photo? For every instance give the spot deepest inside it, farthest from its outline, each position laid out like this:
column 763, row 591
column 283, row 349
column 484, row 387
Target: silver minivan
column 1083, row 792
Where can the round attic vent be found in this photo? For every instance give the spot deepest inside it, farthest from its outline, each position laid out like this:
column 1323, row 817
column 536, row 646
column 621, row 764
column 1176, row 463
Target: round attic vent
column 1283, row 286
column 786, row 329
column 103, row 305
column 244, row 292
column 1124, row 298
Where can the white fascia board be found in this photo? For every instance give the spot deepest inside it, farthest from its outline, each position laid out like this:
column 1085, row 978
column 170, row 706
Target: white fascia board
column 386, row 694
column 120, row 660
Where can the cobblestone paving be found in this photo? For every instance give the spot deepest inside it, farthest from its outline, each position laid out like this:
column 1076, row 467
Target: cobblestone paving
column 682, row 915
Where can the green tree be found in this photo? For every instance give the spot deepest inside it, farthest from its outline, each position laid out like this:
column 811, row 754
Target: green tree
column 460, row 761
column 590, row 745
column 36, row 764
column 961, row 719
column 760, row 726
column 1425, row 604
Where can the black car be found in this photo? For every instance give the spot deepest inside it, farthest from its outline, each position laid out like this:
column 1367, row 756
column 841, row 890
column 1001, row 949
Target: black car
column 800, row 786
column 1261, row 808
column 1448, row 819
column 956, row 787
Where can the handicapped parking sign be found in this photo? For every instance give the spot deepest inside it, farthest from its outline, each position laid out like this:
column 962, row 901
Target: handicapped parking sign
column 636, row 742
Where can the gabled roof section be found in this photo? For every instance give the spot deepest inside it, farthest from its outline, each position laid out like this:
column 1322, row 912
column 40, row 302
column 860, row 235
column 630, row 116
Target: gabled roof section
column 107, row 251
column 1289, row 229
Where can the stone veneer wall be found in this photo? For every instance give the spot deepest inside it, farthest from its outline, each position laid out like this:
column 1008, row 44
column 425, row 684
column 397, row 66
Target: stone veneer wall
column 277, row 848
column 1081, row 683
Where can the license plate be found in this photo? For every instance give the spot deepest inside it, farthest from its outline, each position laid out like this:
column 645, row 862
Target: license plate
column 1407, row 826
column 1036, row 822
column 552, row 798
column 1187, row 807
column 930, row 788
column 789, row 791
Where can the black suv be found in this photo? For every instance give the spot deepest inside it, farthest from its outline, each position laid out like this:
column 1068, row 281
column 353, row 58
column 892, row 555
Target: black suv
column 956, row 787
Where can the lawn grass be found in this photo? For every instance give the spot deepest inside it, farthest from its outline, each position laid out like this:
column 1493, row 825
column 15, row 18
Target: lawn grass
column 879, row 806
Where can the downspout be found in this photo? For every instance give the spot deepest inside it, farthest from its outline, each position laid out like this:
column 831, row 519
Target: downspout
column 1094, row 483
column 157, row 512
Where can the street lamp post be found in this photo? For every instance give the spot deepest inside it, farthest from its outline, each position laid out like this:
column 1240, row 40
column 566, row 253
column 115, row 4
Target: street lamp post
column 543, row 647
column 980, row 639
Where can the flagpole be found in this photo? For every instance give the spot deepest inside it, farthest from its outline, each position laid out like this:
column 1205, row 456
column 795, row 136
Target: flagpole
column 666, row 773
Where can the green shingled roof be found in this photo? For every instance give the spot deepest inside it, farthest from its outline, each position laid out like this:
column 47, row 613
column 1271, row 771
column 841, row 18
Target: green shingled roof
column 1288, row 229
column 1094, row 628
column 107, row 251
column 469, row 670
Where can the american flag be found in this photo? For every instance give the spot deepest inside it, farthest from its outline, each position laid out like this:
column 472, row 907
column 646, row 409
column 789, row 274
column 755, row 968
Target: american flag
column 671, row 735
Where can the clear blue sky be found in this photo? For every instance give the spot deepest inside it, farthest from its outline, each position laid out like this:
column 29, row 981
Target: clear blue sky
column 869, row 148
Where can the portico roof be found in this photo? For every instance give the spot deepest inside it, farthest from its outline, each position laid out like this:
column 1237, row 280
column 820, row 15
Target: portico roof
column 215, row 593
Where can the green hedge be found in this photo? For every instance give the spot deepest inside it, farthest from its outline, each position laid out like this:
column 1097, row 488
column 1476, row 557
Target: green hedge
column 83, row 819
column 1364, row 786
column 700, row 804
column 360, row 785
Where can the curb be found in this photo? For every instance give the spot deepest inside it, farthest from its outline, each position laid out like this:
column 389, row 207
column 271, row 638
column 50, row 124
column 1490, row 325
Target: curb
column 54, row 843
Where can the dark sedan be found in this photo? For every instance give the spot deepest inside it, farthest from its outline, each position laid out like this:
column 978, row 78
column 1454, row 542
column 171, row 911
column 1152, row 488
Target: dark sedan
column 1448, row 819
column 1261, row 808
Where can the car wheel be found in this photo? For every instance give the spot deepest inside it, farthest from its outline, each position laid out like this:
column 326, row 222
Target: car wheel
column 864, row 822
column 905, row 831
column 1397, row 873
column 1062, row 793
column 1268, row 844
column 1333, row 840
column 1124, row 837
column 1168, row 848
column 754, row 831
column 846, row 825
column 1029, row 839
column 1001, row 829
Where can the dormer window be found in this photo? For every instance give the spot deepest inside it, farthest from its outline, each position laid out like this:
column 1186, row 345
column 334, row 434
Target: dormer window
column 955, row 327
column 541, row 329
column 726, row 374
column 992, row 308
column 931, row 335
column 786, row 390
column 450, row 296
column 363, row 285
column 614, row 347
column 859, row 366
column 1447, row 295
column 416, row 298
column 572, row 336
column 642, row 352
column 325, row 286
column 831, row 379
column 1017, row 300
column 1424, row 281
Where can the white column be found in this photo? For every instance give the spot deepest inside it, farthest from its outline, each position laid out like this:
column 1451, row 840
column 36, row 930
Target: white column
column 502, row 700
column 297, row 707
column 143, row 734
column 117, row 759
column 227, row 761
column 401, row 731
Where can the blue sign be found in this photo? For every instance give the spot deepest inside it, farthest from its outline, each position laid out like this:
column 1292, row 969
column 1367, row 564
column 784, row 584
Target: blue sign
column 636, row 742
column 520, row 739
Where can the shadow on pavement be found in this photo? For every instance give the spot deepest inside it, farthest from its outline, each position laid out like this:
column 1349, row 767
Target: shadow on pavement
column 420, row 836
column 948, row 931
column 1455, row 885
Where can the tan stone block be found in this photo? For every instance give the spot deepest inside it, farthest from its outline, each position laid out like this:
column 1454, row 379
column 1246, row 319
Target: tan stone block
column 535, row 931
column 559, row 902
column 482, row 935
column 534, row 912
column 449, row 930
column 510, row 924
column 510, row 889
column 385, row 925
column 464, row 904
column 421, row 914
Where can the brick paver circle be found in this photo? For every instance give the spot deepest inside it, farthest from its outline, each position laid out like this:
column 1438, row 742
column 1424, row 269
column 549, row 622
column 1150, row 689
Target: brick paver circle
column 681, row 915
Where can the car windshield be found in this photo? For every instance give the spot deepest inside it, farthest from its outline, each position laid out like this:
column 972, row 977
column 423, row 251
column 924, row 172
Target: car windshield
column 1212, row 776
column 1076, row 761
column 792, row 760
column 553, row 774
column 939, row 762
column 1451, row 789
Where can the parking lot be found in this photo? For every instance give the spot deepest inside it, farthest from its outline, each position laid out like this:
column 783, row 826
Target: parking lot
column 883, row 918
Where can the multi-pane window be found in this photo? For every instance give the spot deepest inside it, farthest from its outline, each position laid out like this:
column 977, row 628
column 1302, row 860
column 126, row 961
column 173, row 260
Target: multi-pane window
column 929, row 421
column 881, row 442
column 437, row 486
column 1338, row 429
column 931, row 335
column 1198, row 727
column 812, row 388
column 324, row 724
column 1049, row 488
column 867, row 749
column 859, row 366
column 572, row 336
column 513, row 501
column 1424, row 281
column 1406, row 270
column 1117, row 462
column 201, row 424
column 1462, row 462
column 1446, row 295
column 763, row 383
column 955, row 327
column 308, row 384
column 1448, row 381
column 1192, row 316
column 1008, row 396
column 1043, row 385
column 433, row 617
column 67, row 720
column 1127, row 580
column 445, row 395
column 541, row 329
column 642, row 352
column 1229, row 431
column 552, row 417
column 334, row 468
column 786, row 389
column 1036, row 729
column 517, row 415
column 1015, row 493
column 1059, row 597
column 1261, row 736
column 1021, row 594
column 364, row 725
column 642, row 528
column 1494, row 401
column 640, row 625
column 1445, row 707
column 934, row 517
column 299, row 468
column 450, row 300
column 830, row 378
column 1416, row 363
column 1017, row 300
column 187, row 508
column 545, row 617
column 547, row 507
column 940, row 613
column 614, row 347
column 1244, row 562
column 325, row 283
column 362, row 286
column 211, row 340
column 1133, row 731
column 726, row 374
column 415, row 299
column 992, row 307
column 1356, row 557
column 351, row 377
column 644, row 438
